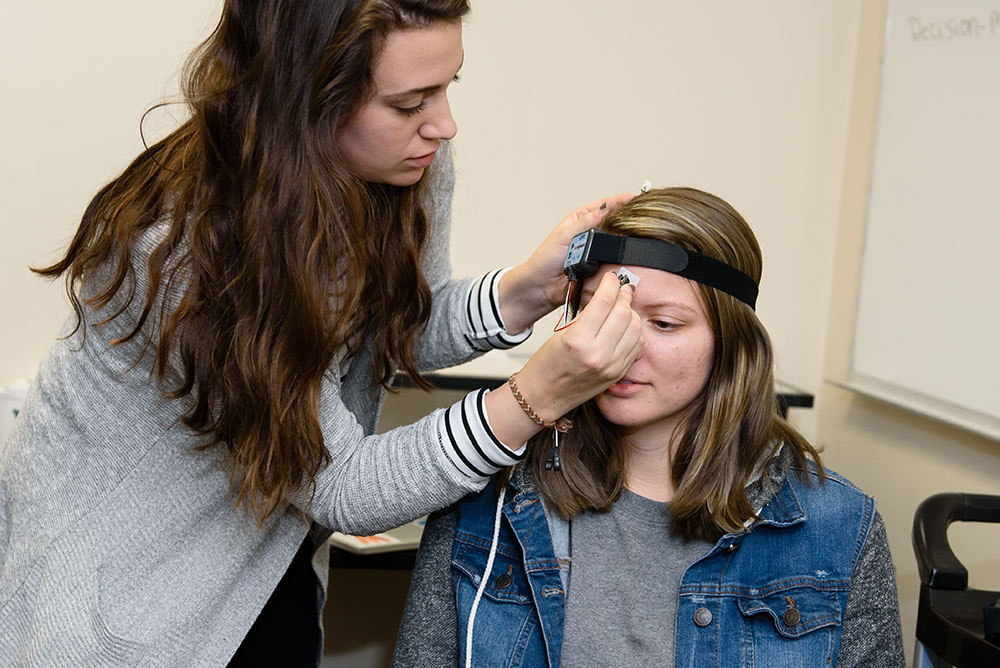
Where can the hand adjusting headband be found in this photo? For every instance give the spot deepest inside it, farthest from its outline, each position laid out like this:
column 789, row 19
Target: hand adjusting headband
column 588, row 250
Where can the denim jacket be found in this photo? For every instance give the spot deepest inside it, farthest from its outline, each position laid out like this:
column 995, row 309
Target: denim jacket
column 772, row 594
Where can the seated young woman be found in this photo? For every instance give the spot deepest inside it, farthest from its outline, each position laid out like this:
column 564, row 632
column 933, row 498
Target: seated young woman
column 687, row 523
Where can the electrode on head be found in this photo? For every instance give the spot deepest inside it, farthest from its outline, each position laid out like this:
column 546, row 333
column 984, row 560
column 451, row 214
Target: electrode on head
column 626, row 277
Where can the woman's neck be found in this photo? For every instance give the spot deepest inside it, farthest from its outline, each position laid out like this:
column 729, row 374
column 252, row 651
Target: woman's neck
column 647, row 471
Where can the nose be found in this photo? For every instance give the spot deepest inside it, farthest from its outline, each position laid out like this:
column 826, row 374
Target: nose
column 642, row 349
column 441, row 124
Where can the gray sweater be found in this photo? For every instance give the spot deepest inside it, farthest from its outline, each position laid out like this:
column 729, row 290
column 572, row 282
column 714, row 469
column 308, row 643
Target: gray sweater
column 119, row 543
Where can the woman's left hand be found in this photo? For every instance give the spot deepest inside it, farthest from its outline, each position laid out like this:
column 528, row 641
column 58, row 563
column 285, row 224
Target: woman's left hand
column 535, row 287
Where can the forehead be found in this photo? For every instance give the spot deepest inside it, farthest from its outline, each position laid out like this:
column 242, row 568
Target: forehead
column 415, row 58
column 656, row 287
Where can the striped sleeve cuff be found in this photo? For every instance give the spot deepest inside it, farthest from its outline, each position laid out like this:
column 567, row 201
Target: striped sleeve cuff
column 486, row 329
column 469, row 441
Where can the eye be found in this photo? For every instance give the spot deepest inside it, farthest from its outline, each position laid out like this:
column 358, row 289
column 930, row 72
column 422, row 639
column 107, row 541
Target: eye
column 664, row 326
column 412, row 111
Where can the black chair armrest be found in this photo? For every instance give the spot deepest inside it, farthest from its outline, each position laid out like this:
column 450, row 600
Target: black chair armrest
column 937, row 564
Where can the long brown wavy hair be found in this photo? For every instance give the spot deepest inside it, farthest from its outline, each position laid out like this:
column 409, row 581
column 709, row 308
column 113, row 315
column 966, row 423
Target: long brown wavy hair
column 265, row 223
column 732, row 428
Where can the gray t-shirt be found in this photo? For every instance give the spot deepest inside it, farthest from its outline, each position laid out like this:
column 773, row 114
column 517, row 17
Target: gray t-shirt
column 622, row 602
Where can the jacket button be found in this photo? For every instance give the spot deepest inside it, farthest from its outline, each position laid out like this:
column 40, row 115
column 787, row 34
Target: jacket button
column 504, row 581
column 702, row 616
column 791, row 617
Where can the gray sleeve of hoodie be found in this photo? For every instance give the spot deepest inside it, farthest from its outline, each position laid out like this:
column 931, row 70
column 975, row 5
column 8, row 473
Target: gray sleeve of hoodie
column 472, row 323
column 428, row 634
column 377, row 482
column 872, row 634
column 443, row 342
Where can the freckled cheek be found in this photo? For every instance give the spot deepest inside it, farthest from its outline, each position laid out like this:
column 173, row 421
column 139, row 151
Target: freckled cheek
column 675, row 361
column 706, row 360
column 703, row 371
column 689, row 374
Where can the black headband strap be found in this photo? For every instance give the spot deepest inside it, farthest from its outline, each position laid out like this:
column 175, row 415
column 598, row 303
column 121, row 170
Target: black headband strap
column 607, row 248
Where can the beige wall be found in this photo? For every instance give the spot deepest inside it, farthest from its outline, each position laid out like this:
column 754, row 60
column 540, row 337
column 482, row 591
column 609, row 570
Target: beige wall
column 75, row 80
column 768, row 104
column 899, row 457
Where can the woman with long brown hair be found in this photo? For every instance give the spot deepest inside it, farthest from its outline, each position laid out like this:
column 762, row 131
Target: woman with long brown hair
column 688, row 523
column 243, row 294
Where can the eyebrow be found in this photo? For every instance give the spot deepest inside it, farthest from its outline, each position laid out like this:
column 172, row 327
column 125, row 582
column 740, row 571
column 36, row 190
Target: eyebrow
column 670, row 304
column 588, row 294
column 391, row 97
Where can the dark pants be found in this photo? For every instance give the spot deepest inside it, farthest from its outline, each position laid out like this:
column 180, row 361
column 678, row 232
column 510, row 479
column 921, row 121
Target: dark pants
column 286, row 632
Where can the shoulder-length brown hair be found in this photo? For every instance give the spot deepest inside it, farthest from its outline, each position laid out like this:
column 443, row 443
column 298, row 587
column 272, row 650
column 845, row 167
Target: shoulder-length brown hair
column 264, row 217
column 731, row 429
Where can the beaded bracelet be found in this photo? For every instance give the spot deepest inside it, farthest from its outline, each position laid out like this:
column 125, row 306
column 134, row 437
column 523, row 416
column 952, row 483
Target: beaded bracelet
column 563, row 424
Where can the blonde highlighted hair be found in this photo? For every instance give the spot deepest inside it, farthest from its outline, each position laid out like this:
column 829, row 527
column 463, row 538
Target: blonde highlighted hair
column 730, row 430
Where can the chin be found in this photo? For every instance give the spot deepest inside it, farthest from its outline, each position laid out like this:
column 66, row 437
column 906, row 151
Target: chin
column 634, row 418
column 617, row 415
column 402, row 179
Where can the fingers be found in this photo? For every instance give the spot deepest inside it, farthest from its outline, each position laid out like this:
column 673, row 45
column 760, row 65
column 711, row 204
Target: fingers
column 609, row 203
column 579, row 363
column 592, row 214
column 618, row 319
column 608, row 332
column 629, row 345
column 609, row 295
column 621, row 333
column 543, row 270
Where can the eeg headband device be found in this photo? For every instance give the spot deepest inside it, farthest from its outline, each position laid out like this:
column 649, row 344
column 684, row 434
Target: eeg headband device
column 588, row 250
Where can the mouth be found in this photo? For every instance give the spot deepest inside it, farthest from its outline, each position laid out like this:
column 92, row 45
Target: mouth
column 625, row 387
column 423, row 160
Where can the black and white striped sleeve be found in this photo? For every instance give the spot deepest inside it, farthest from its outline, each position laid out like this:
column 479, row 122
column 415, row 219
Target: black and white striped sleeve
column 486, row 330
column 469, row 441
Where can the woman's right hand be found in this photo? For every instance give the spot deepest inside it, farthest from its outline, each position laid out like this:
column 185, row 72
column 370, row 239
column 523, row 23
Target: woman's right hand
column 575, row 365
column 533, row 288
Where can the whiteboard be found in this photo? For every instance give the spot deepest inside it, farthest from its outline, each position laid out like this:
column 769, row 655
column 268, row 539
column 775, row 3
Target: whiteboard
column 928, row 321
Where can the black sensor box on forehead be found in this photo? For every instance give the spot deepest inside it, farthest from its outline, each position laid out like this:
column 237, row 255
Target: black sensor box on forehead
column 589, row 250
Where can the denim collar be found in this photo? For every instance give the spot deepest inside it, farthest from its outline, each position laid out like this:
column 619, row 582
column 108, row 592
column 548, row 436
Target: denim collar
column 772, row 494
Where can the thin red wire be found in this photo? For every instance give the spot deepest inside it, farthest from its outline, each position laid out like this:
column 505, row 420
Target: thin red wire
column 565, row 314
